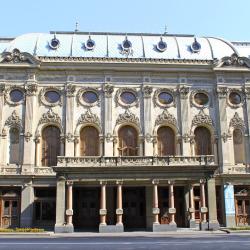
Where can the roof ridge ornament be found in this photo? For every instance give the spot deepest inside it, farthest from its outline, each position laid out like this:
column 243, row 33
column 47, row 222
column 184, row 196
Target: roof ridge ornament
column 195, row 46
column 233, row 60
column 90, row 43
column 54, row 42
column 161, row 46
column 126, row 47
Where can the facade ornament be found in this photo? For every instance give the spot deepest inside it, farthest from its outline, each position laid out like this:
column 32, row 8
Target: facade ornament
column 234, row 60
column 225, row 136
column 70, row 137
column 147, row 91
column 31, row 89
column 183, row 91
column 188, row 138
column 108, row 90
column 37, row 137
column 109, row 137
column 90, row 118
column 13, row 57
column 2, row 89
column 150, row 138
column 222, row 92
column 70, row 90
column 165, row 118
column 118, row 100
column 14, row 120
column 4, row 133
column 50, row 117
column 27, row 136
column 202, row 118
column 237, row 122
column 127, row 117
column 247, row 92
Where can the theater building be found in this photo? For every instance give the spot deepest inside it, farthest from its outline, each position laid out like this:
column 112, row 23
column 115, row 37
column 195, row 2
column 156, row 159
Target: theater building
column 116, row 132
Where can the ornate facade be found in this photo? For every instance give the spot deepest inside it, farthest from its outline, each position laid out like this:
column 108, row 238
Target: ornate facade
column 114, row 132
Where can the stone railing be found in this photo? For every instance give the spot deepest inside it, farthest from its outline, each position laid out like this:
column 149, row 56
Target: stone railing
column 10, row 170
column 130, row 161
column 44, row 171
column 240, row 169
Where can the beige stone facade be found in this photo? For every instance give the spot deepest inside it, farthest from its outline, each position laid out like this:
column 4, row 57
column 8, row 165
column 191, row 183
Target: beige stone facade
column 140, row 143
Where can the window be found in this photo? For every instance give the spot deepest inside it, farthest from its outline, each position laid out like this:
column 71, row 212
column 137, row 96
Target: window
column 201, row 99
column 50, row 145
column 16, row 95
column 235, row 98
column 202, row 139
column 52, row 96
column 89, row 141
column 128, row 141
column 165, row 98
column 128, row 97
column 166, row 141
column 239, row 151
column 90, row 97
column 14, row 146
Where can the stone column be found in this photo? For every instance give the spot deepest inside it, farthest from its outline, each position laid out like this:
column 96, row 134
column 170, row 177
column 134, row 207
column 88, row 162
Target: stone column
column 141, row 142
column 108, row 131
column 28, row 142
column 203, row 209
column 171, row 209
column 191, row 207
column 213, row 223
column 119, row 210
column 156, row 209
column 2, row 90
column 229, row 205
column 69, row 211
column 60, row 206
column 101, row 140
column 103, row 210
column 27, row 202
column 247, row 117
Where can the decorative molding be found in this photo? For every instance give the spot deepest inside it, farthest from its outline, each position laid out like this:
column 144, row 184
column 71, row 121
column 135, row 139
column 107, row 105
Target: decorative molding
column 237, row 122
column 118, row 100
column 89, row 118
column 127, row 117
column 233, row 60
column 147, row 91
column 27, row 136
column 31, row 89
column 201, row 118
column 50, row 117
column 13, row 121
column 225, row 136
column 150, row 138
column 110, row 138
column 156, row 98
column 2, row 89
column 188, row 138
column 108, row 90
column 165, row 118
column 246, row 91
column 70, row 90
column 80, row 100
column 222, row 92
column 43, row 100
column 70, row 137
column 183, row 91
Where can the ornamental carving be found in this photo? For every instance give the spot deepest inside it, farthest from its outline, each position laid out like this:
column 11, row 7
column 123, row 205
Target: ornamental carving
column 222, row 92
column 50, row 117
column 225, row 136
column 165, row 118
column 2, row 89
column 70, row 90
column 14, row 57
column 150, row 138
column 147, row 91
column 202, row 118
column 183, row 91
column 127, row 117
column 70, row 137
column 118, row 100
column 90, row 118
column 43, row 100
column 234, row 60
column 237, row 122
column 108, row 90
column 31, row 89
column 247, row 92
column 14, row 120
column 156, row 99
column 27, row 136
column 110, row 138
column 188, row 138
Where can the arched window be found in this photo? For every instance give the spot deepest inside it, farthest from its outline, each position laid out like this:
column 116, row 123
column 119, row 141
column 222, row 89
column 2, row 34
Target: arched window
column 166, row 141
column 89, row 141
column 239, row 151
column 202, row 139
column 128, row 141
column 14, row 146
column 50, row 145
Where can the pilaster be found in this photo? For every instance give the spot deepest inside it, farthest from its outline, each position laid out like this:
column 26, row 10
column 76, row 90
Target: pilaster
column 2, row 136
column 229, row 205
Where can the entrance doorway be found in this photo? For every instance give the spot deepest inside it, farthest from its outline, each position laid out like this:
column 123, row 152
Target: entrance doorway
column 86, row 205
column 134, row 208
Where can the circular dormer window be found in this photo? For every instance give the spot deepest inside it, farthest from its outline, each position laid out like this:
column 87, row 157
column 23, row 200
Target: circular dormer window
column 54, row 43
column 126, row 44
column 195, row 47
column 90, row 44
column 161, row 46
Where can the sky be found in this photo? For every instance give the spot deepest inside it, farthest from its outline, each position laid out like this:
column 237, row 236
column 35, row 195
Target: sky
column 228, row 19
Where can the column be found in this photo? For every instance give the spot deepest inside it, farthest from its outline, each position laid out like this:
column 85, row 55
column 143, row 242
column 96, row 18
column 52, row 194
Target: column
column 246, row 111
column 119, row 210
column 213, row 223
column 229, row 205
column 203, row 208
column 156, row 209
column 69, row 211
column 60, row 205
column 103, row 210
column 141, row 142
column 2, row 90
column 171, row 209
column 191, row 207
column 27, row 202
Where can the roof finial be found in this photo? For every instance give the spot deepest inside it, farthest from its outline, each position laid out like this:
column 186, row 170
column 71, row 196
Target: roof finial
column 76, row 29
column 165, row 29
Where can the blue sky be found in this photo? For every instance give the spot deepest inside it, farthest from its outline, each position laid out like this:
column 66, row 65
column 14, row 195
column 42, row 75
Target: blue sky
column 228, row 19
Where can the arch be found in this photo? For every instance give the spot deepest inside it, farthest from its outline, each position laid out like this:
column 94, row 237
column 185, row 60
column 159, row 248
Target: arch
column 89, row 141
column 203, row 142
column 238, row 143
column 166, row 141
column 14, row 145
column 128, row 141
column 50, row 145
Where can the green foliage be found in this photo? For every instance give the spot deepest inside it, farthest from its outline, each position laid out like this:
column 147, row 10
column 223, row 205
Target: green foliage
column 21, row 230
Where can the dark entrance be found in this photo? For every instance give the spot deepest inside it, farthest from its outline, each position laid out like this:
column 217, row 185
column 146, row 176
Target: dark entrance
column 86, row 205
column 134, row 208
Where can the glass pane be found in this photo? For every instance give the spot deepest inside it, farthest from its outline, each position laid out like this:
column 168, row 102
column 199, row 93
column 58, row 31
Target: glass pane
column 201, row 98
column 90, row 97
column 52, row 96
column 235, row 98
column 128, row 97
column 165, row 98
column 6, row 208
column 16, row 95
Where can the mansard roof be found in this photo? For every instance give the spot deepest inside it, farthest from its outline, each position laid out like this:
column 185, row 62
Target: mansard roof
column 110, row 45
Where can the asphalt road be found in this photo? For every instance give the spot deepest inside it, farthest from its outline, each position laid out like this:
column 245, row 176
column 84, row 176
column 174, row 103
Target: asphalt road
column 193, row 242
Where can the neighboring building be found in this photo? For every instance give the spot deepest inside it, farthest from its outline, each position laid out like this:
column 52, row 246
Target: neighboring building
column 124, row 131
